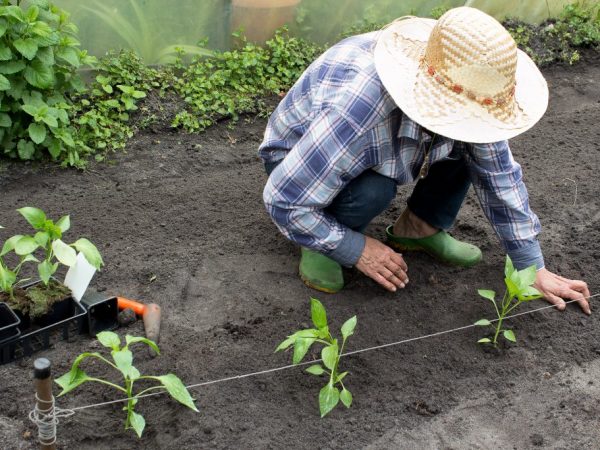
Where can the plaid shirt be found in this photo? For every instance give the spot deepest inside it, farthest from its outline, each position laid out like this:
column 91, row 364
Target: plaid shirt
column 338, row 121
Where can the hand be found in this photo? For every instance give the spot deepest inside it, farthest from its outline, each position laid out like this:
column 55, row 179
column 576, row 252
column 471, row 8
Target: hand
column 382, row 264
column 555, row 288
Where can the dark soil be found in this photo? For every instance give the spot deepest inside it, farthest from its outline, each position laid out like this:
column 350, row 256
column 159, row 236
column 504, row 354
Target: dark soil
column 180, row 222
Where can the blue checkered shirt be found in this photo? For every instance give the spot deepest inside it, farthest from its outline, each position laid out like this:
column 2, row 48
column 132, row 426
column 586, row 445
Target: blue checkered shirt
column 338, row 121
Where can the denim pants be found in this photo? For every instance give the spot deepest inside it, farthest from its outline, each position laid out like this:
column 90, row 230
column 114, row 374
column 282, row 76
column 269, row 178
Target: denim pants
column 436, row 199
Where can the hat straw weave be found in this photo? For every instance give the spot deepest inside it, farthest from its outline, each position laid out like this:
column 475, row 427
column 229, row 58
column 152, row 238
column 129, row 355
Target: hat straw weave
column 462, row 76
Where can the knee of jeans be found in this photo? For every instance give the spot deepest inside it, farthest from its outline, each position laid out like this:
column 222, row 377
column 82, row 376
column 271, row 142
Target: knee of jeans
column 378, row 195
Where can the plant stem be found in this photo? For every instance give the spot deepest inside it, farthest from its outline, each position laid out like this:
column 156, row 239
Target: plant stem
column 130, row 402
column 108, row 383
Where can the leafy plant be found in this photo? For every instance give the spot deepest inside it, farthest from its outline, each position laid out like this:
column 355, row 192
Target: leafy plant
column 302, row 340
column 48, row 238
column 39, row 58
column 122, row 361
column 230, row 83
column 519, row 290
column 9, row 278
column 101, row 114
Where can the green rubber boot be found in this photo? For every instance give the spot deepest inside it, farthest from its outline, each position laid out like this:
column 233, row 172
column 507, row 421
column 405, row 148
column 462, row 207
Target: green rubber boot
column 441, row 246
column 320, row 272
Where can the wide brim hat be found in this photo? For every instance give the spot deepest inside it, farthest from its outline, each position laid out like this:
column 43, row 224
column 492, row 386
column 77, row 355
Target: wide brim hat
column 461, row 76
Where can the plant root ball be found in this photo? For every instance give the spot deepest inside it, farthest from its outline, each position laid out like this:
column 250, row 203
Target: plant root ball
column 127, row 317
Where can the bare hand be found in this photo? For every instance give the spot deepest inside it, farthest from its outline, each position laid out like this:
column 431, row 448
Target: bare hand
column 555, row 288
column 382, row 264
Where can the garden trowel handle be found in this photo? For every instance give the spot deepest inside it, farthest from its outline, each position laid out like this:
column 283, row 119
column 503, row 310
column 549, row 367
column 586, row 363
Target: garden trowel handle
column 150, row 315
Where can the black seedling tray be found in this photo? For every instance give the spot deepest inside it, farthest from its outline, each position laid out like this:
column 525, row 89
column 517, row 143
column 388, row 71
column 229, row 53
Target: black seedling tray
column 40, row 335
column 9, row 323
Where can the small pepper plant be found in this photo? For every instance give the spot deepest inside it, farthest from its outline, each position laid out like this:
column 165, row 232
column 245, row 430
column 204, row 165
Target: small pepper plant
column 122, row 361
column 302, row 340
column 519, row 290
column 47, row 243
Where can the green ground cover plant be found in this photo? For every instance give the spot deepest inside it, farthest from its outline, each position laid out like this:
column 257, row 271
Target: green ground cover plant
column 39, row 58
column 122, row 362
column 519, row 290
column 301, row 341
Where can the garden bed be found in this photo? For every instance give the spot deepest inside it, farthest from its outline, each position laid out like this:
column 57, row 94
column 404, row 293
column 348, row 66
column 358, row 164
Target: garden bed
column 183, row 225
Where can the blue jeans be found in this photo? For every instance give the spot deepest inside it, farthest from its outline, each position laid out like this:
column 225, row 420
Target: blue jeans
column 436, row 199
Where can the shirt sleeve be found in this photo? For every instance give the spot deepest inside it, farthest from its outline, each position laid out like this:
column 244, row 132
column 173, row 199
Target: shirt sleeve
column 498, row 182
column 313, row 173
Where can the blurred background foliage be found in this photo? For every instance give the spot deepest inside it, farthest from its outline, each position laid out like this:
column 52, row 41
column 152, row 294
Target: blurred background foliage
column 155, row 28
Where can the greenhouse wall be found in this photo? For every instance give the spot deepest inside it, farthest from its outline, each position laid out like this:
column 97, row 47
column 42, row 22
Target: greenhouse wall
column 154, row 28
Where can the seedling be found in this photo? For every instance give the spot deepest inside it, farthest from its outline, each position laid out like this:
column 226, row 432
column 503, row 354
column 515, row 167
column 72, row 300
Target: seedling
column 301, row 341
column 48, row 237
column 519, row 290
column 123, row 362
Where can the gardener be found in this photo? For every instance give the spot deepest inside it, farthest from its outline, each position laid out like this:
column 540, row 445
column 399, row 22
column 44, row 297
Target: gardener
column 422, row 100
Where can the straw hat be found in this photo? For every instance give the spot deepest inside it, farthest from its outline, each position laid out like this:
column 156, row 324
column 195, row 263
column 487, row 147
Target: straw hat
column 461, row 76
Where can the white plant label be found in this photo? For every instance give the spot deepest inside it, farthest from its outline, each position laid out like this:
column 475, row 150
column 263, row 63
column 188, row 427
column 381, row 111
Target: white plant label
column 79, row 276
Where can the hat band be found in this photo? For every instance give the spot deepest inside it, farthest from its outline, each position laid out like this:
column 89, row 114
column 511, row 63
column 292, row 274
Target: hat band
column 457, row 88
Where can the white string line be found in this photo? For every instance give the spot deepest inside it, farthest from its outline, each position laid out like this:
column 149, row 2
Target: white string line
column 305, row 363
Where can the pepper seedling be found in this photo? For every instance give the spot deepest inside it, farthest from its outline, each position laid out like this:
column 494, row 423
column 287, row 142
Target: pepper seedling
column 519, row 290
column 302, row 340
column 123, row 362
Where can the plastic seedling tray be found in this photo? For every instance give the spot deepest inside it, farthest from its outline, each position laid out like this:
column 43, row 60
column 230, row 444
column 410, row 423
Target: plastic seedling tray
column 9, row 323
column 61, row 323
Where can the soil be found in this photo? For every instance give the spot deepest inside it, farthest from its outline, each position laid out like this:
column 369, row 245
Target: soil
column 180, row 222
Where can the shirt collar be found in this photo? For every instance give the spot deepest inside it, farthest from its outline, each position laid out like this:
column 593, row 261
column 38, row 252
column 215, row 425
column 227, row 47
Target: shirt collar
column 412, row 130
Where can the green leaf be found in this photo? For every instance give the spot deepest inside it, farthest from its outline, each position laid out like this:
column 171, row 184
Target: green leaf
column 64, row 223
column 482, row 323
column 490, row 295
column 134, row 339
column 7, row 278
column 138, row 423
column 90, row 252
column 70, row 381
column 26, row 149
column 32, row 13
column 286, row 343
column 9, row 244
column 316, row 369
column 12, row 11
column 27, row 47
column 529, row 293
column 70, row 55
column 341, row 376
column 109, row 339
column 317, row 312
column 37, row 132
column 34, row 216
column 5, row 53
column 329, row 396
column 46, row 56
column 64, row 253
column 46, row 270
column 5, row 120
column 346, row 397
column 3, row 26
column 39, row 75
column 124, row 361
column 4, row 83
column 301, row 347
column 509, row 269
column 329, row 355
column 484, row 341
column 509, row 335
column 177, row 390
column 10, row 67
column 527, row 277
column 25, row 245
column 348, row 327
